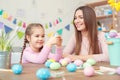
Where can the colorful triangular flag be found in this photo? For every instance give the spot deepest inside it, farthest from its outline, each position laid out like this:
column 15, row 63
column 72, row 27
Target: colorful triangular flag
column 15, row 21
column 46, row 26
column 9, row 18
column 50, row 24
column 5, row 15
column 50, row 34
column 24, row 25
column 60, row 31
column 60, row 20
column 67, row 27
column 54, row 23
column 20, row 34
column 20, row 23
column 1, row 11
column 1, row 25
column 7, row 29
column 57, row 21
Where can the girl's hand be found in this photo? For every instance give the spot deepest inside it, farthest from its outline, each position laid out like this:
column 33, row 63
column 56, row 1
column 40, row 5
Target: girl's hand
column 55, row 41
column 58, row 41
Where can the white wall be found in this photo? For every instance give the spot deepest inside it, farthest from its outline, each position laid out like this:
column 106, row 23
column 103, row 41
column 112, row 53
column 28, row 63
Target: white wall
column 42, row 11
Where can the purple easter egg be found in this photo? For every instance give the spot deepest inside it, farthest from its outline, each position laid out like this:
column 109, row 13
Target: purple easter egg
column 112, row 34
column 78, row 62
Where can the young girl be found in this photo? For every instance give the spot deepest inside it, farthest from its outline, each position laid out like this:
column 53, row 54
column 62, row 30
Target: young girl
column 36, row 52
column 87, row 42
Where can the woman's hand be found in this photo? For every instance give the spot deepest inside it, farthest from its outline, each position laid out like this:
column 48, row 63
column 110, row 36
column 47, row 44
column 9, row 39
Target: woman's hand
column 75, row 57
column 72, row 57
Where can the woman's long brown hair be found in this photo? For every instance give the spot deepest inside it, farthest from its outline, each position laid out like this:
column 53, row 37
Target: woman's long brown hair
column 91, row 26
column 29, row 32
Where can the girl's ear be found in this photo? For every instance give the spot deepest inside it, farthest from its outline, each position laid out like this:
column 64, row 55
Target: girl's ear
column 28, row 37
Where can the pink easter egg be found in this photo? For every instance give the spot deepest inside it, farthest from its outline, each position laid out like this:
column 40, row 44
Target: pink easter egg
column 118, row 35
column 67, row 59
column 118, row 70
column 60, row 60
column 78, row 62
column 89, row 71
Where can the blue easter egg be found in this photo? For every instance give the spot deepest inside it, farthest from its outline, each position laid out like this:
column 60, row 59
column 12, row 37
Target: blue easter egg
column 43, row 73
column 17, row 69
column 71, row 67
column 106, row 35
column 47, row 64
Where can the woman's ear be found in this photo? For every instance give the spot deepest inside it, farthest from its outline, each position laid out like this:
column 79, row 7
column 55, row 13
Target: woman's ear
column 28, row 37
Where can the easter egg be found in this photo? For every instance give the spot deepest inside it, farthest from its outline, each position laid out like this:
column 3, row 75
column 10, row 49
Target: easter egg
column 43, row 73
column 64, row 62
column 60, row 60
column 51, row 60
column 55, row 65
column 86, row 65
column 71, row 67
column 113, row 31
column 91, row 61
column 112, row 34
column 67, row 59
column 89, row 71
column 17, row 69
column 118, row 70
column 107, row 35
column 78, row 62
column 47, row 64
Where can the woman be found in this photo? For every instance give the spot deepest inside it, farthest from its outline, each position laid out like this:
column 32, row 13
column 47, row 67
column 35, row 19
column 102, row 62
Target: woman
column 87, row 41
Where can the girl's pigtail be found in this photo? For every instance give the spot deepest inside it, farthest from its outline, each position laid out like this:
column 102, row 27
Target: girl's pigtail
column 24, row 46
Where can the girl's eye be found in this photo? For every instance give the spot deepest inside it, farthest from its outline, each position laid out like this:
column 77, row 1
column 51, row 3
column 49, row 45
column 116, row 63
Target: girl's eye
column 43, row 36
column 37, row 36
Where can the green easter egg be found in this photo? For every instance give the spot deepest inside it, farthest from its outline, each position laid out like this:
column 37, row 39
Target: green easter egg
column 91, row 61
column 86, row 65
column 55, row 65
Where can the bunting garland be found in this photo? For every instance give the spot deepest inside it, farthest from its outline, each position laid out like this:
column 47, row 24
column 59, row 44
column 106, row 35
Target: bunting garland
column 67, row 27
column 8, row 29
column 60, row 31
column 1, row 25
column 50, row 34
column 22, row 24
column 20, row 34
column 1, row 11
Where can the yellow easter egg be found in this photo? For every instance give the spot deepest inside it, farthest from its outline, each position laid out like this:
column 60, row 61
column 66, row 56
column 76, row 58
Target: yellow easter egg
column 51, row 60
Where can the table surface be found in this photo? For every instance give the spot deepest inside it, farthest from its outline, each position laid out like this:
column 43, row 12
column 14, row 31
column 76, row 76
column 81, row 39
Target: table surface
column 29, row 73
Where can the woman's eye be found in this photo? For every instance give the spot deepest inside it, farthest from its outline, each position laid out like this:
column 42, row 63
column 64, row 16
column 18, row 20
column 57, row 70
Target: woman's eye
column 81, row 17
column 74, row 18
